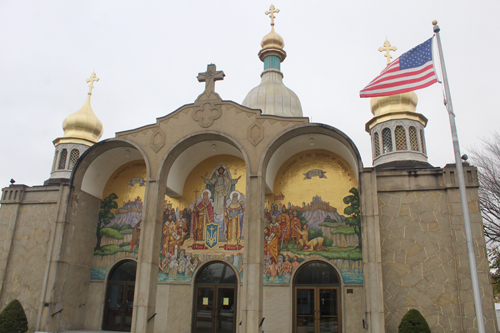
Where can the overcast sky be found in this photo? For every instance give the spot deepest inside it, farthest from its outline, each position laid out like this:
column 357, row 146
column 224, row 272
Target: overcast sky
column 147, row 55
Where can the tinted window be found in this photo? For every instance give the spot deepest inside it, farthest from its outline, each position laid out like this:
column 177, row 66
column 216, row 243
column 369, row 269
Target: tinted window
column 217, row 273
column 317, row 273
column 124, row 271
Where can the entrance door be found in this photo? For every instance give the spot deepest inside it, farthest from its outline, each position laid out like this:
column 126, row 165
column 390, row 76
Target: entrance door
column 119, row 300
column 215, row 299
column 317, row 299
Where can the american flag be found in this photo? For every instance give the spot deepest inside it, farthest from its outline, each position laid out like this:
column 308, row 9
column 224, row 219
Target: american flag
column 413, row 70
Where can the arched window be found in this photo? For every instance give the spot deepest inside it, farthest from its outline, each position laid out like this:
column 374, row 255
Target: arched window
column 422, row 141
column 119, row 302
column 387, row 140
column 400, row 135
column 62, row 159
column 215, row 299
column 55, row 160
column 376, row 142
column 73, row 157
column 317, row 299
column 413, row 138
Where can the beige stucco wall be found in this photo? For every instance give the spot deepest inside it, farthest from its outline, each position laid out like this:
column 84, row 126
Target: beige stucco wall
column 25, row 231
column 424, row 255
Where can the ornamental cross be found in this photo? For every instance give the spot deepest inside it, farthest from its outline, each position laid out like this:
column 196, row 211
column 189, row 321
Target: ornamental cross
column 209, row 77
column 93, row 78
column 387, row 48
column 271, row 13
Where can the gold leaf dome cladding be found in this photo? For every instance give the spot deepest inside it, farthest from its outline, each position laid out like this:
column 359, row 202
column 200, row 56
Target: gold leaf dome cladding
column 400, row 106
column 83, row 124
column 272, row 44
column 394, row 103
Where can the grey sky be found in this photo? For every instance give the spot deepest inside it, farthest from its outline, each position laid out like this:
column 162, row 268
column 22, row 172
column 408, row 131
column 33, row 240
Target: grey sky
column 147, row 55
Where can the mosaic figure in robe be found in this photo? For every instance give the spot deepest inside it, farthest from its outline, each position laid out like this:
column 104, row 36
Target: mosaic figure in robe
column 220, row 185
column 233, row 219
column 203, row 214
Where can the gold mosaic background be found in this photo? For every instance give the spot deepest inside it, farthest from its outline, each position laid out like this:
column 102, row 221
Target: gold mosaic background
column 290, row 180
column 118, row 182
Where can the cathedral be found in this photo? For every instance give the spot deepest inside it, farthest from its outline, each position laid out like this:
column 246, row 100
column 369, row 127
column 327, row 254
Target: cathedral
column 227, row 217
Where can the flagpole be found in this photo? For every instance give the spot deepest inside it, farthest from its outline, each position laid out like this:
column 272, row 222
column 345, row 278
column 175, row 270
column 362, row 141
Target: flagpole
column 463, row 194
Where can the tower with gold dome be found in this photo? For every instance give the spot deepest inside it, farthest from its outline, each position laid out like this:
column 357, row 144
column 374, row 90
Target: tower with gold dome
column 242, row 218
column 82, row 129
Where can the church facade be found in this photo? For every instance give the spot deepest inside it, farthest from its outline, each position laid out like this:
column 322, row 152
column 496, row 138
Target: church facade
column 222, row 217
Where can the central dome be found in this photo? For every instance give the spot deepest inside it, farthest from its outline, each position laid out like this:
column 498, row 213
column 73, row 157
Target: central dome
column 273, row 97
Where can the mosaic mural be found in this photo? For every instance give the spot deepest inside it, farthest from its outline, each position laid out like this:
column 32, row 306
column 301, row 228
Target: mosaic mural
column 118, row 229
column 207, row 222
column 313, row 213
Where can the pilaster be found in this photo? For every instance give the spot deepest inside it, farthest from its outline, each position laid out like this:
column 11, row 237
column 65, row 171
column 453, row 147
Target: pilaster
column 252, row 292
column 147, row 265
column 372, row 253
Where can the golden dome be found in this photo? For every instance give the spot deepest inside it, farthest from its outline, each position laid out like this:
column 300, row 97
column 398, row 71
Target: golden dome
column 83, row 126
column 272, row 39
column 394, row 103
column 272, row 44
column 400, row 106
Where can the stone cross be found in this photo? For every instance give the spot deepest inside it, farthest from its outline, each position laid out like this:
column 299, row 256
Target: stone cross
column 387, row 48
column 93, row 78
column 271, row 13
column 209, row 77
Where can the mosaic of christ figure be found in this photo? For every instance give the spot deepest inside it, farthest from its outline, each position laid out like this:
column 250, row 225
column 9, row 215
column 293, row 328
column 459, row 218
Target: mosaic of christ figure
column 220, row 185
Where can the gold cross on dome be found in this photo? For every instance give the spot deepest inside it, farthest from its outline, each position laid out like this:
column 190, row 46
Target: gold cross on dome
column 93, row 78
column 271, row 13
column 387, row 48
column 209, row 77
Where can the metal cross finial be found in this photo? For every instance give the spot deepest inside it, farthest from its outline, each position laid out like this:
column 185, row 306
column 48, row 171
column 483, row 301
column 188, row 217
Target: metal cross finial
column 387, row 48
column 209, row 77
column 93, row 78
column 271, row 13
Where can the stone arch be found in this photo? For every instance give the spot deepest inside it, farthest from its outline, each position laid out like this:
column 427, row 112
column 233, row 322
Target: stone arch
column 97, row 164
column 185, row 150
column 298, row 139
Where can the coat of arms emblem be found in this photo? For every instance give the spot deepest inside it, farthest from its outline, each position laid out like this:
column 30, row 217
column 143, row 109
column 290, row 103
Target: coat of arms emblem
column 212, row 237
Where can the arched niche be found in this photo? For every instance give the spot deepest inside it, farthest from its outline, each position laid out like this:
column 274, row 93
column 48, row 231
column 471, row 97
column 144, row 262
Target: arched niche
column 191, row 157
column 100, row 161
column 206, row 219
column 308, row 137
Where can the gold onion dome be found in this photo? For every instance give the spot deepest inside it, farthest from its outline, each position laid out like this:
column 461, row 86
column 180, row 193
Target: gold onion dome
column 394, row 103
column 83, row 126
column 400, row 106
column 272, row 44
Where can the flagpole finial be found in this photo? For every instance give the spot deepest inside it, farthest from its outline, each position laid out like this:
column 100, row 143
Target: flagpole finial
column 435, row 26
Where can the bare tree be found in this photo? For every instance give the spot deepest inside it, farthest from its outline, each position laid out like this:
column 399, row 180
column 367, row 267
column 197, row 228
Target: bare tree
column 487, row 160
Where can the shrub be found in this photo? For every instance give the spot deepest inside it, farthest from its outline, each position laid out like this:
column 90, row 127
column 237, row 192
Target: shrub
column 13, row 319
column 414, row 322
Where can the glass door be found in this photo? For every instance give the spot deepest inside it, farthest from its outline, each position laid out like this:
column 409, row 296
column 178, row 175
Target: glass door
column 215, row 309
column 204, row 309
column 328, row 311
column 317, row 310
column 225, row 314
column 120, row 303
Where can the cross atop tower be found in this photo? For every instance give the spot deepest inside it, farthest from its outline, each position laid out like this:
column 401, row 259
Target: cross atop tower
column 271, row 13
column 209, row 77
column 387, row 48
column 93, row 78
